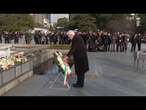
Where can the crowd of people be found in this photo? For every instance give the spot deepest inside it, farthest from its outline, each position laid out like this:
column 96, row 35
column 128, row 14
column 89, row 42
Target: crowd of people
column 51, row 38
column 94, row 41
column 9, row 36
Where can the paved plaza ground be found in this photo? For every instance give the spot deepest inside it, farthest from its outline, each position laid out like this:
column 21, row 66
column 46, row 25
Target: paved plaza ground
column 111, row 74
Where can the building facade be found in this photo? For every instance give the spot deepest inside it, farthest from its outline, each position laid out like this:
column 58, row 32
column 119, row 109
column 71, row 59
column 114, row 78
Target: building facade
column 52, row 18
column 40, row 18
column 48, row 19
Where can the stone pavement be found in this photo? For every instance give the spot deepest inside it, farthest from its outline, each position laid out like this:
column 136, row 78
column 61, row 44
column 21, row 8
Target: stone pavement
column 111, row 74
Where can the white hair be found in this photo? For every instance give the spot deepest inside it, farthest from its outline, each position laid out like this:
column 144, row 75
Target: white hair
column 71, row 33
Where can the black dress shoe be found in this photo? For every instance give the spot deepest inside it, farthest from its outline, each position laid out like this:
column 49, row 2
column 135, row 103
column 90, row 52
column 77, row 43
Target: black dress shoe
column 77, row 86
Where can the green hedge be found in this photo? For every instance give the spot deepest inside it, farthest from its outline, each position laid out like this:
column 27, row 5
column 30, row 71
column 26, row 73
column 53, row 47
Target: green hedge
column 59, row 47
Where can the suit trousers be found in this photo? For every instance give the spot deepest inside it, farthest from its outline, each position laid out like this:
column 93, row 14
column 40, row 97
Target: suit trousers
column 80, row 79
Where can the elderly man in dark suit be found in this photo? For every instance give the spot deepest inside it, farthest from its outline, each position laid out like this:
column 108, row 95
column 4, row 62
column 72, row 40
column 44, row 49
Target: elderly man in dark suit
column 78, row 51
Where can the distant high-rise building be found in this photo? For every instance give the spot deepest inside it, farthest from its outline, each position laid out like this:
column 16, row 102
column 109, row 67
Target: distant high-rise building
column 48, row 19
column 40, row 18
column 52, row 18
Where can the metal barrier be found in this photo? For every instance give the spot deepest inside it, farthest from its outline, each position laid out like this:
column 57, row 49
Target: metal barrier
column 15, row 71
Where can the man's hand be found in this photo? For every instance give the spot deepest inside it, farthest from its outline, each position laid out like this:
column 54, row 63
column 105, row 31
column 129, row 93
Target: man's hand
column 65, row 59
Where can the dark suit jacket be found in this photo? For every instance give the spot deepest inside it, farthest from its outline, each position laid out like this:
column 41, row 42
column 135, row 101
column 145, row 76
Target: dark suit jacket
column 78, row 51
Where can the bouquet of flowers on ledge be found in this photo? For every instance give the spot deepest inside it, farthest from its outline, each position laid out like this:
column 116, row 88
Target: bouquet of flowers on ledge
column 64, row 67
column 7, row 62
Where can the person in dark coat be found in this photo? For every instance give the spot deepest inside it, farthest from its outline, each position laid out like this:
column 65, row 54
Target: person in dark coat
column 60, row 38
column 64, row 38
column 16, row 38
column 134, row 40
column 119, row 42
column 28, row 38
column 39, row 37
column 51, row 38
column 85, row 38
column 108, row 41
column 43, row 38
column 47, row 38
column 6, row 37
column 92, row 44
column 0, row 37
column 36, row 37
column 114, row 37
column 78, row 51
column 138, row 41
column 133, row 43
column 55, row 38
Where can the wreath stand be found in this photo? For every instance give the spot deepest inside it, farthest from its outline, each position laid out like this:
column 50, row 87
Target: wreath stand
column 60, row 75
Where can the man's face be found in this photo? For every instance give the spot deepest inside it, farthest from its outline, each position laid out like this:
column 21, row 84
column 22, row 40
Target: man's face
column 70, row 36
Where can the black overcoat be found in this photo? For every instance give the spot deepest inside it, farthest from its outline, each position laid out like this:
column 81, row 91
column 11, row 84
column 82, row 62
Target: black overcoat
column 79, row 53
